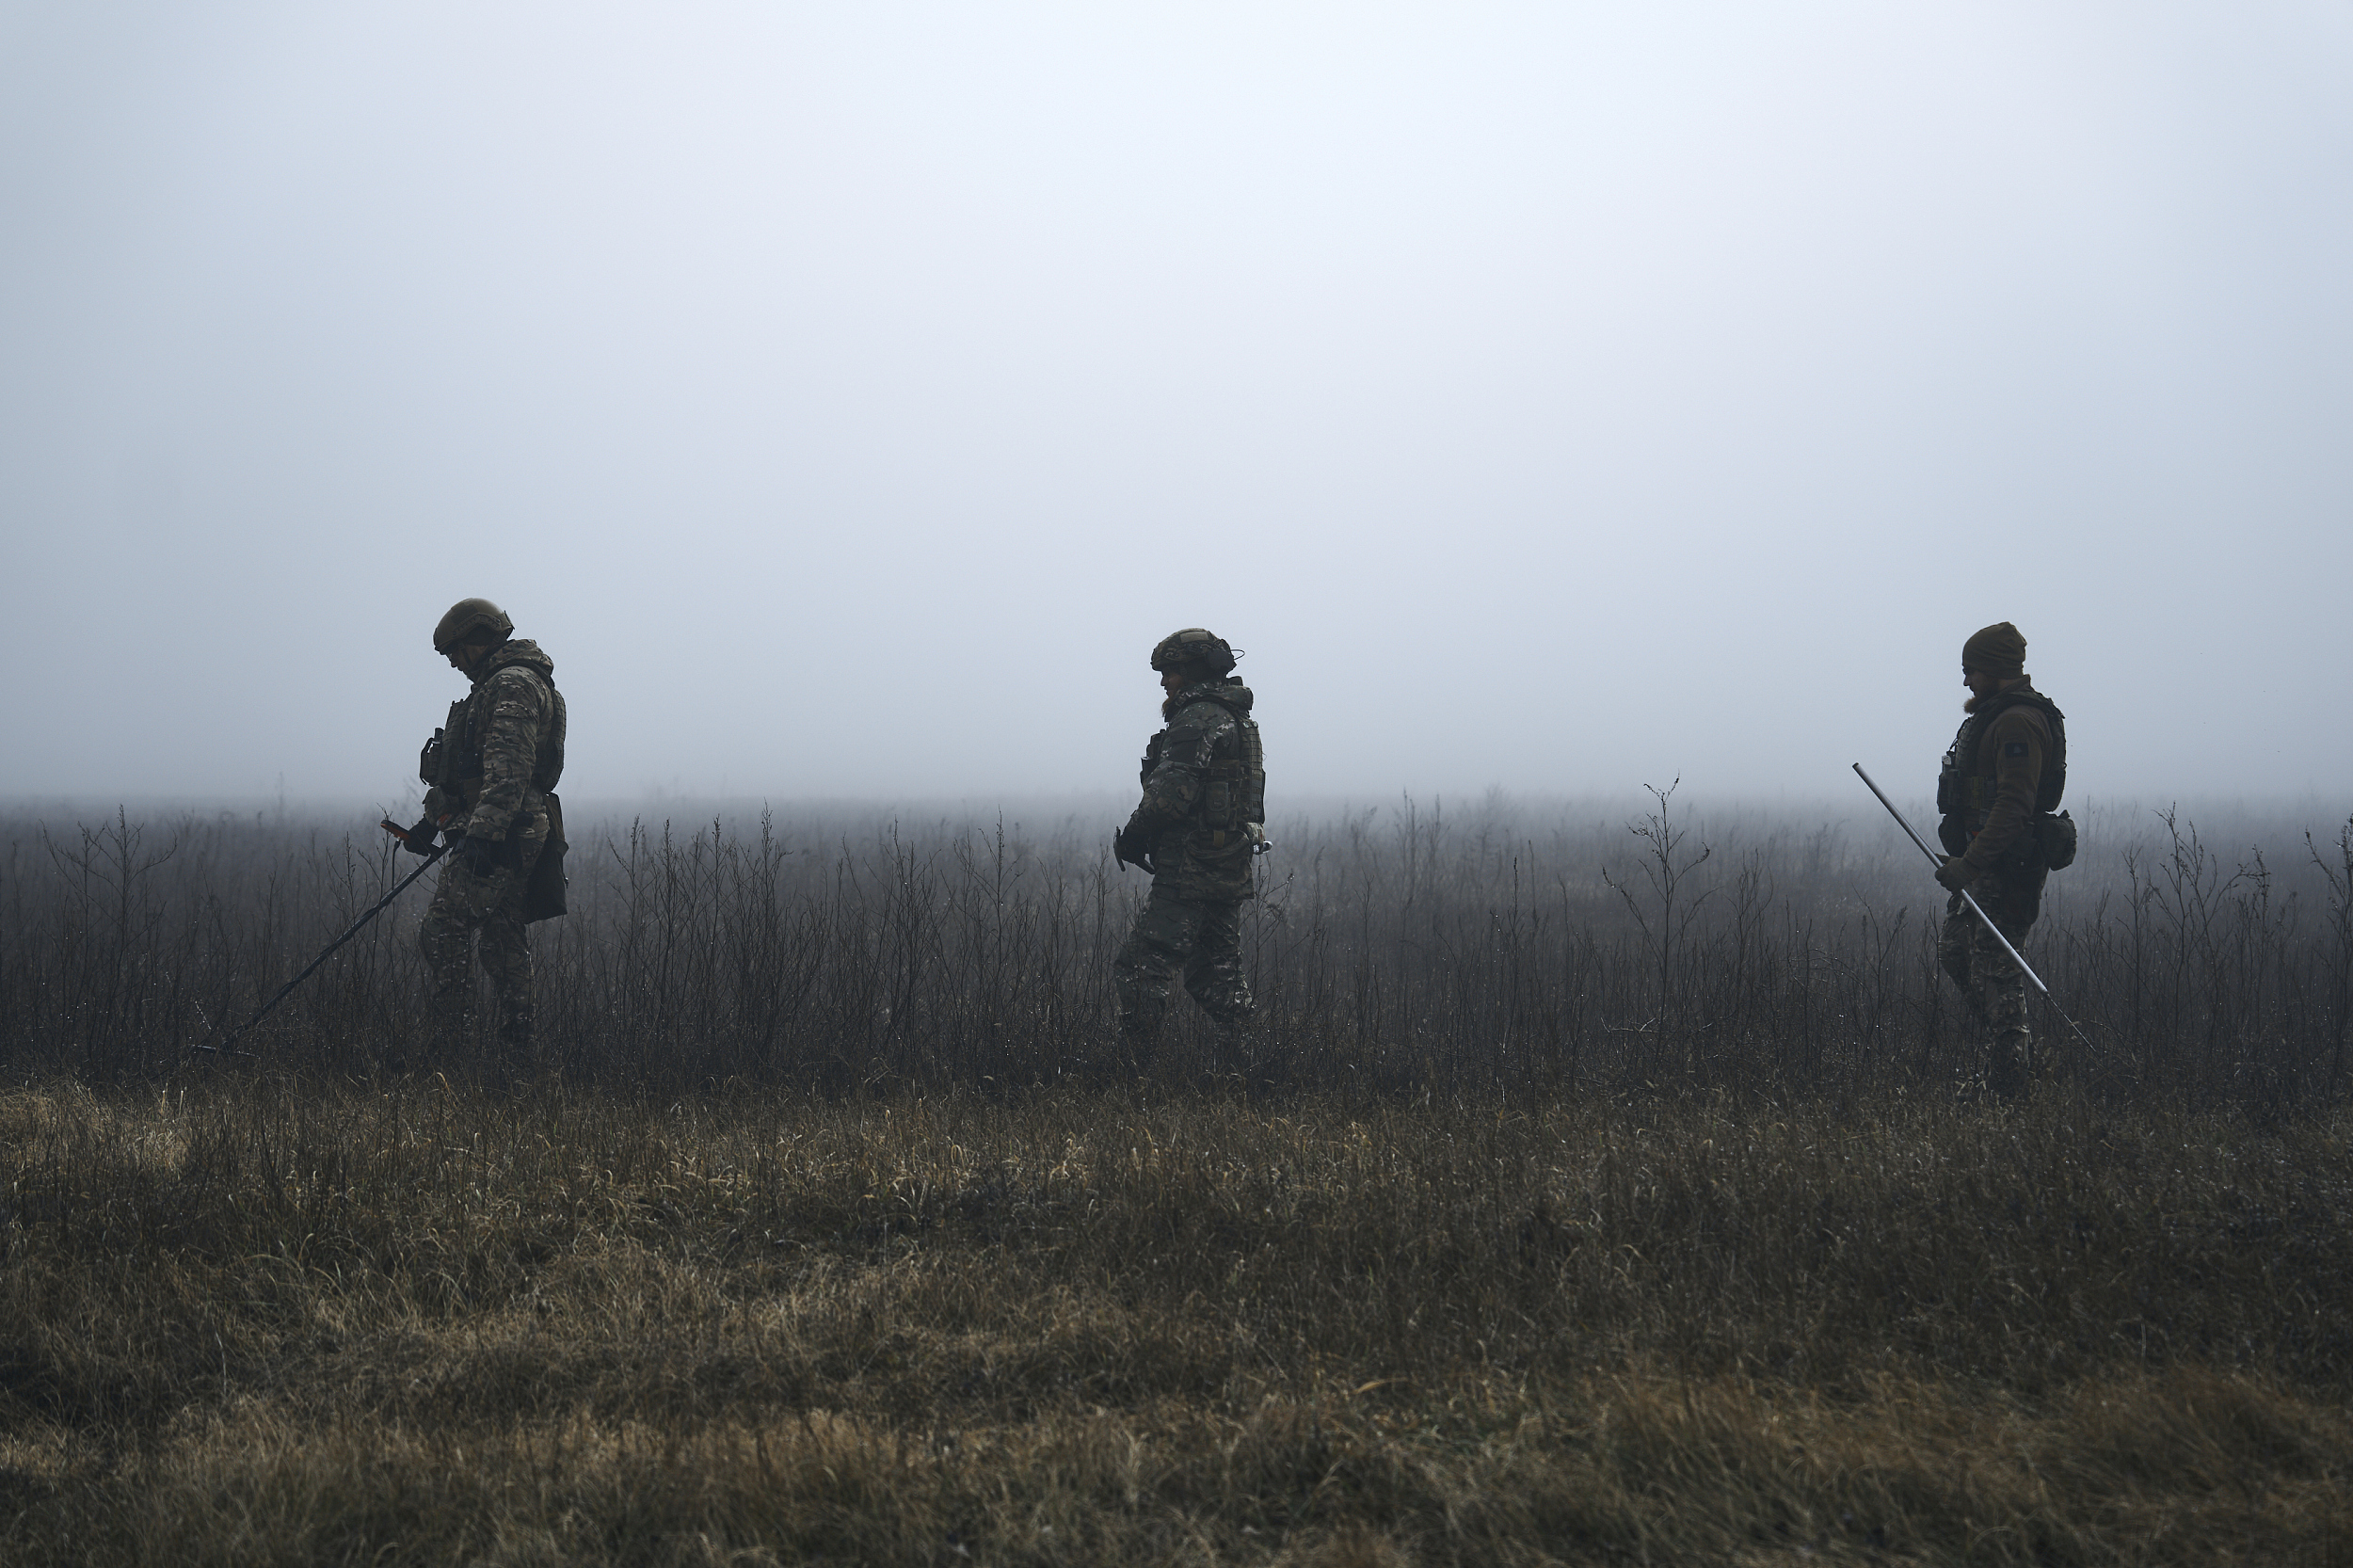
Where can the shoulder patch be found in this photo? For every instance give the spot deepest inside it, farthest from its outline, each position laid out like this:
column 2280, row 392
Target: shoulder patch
column 2013, row 749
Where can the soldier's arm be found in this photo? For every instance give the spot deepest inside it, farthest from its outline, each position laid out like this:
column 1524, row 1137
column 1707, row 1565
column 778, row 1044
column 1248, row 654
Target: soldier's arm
column 2018, row 745
column 1173, row 786
column 510, row 746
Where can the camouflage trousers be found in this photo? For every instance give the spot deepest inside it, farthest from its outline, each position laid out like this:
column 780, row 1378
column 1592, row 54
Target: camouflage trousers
column 464, row 905
column 1990, row 982
column 1199, row 938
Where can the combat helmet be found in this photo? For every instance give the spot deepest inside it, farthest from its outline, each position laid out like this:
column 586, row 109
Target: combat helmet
column 466, row 617
column 1195, row 645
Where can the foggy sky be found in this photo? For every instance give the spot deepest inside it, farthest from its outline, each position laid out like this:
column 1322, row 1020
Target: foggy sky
column 847, row 397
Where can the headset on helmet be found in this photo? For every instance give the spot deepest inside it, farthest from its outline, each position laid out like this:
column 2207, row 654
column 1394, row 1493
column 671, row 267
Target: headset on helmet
column 1195, row 645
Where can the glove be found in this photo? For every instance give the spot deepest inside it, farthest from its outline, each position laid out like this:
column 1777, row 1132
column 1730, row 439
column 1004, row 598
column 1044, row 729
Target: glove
column 419, row 840
column 1955, row 874
column 1127, row 850
column 481, row 856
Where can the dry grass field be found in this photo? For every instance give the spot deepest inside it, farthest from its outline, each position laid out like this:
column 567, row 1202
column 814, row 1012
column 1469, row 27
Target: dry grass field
column 294, row 1322
column 1548, row 1224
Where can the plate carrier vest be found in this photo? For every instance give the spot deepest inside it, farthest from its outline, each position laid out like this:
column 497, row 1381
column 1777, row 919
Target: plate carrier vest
column 452, row 759
column 1233, row 797
column 1964, row 791
column 451, row 764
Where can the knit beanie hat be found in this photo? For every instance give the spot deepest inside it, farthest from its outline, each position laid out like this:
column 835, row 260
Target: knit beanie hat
column 1998, row 650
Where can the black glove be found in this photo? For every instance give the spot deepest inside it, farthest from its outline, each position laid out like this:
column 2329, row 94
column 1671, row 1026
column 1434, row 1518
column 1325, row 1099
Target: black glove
column 1955, row 874
column 482, row 855
column 1127, row 849
column 419, row 840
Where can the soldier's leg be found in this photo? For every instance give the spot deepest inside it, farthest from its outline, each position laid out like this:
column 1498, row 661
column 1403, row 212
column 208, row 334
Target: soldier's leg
column 1953, row 946
column 1214, row 979
column 506, row 948
column 1213, row 973
column 2002, row 991
column 1147, row 967
column 445, row 937
column 506, row 958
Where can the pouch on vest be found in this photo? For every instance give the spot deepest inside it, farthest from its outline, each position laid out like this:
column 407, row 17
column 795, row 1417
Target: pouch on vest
column 2054, row 836
column 1953, row 815
column 462, row 748
column 543, row 896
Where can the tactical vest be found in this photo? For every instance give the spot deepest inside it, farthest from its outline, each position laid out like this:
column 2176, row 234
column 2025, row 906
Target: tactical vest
column 1233, row 789
column 452, row 759
column 1965, row 791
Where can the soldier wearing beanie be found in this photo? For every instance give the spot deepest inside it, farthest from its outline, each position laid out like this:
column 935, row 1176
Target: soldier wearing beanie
column 2002, row 780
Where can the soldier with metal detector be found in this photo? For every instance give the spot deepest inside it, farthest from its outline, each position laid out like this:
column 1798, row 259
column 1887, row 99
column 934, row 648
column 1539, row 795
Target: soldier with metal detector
column 490, row 777
column 490, row 774
column 1202, row 820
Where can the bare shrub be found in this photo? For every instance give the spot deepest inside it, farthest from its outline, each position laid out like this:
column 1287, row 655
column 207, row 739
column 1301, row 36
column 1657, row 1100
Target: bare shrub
column 1401, row 951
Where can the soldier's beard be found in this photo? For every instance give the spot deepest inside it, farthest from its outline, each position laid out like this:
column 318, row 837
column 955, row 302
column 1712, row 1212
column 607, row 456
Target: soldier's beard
column 2008, row 682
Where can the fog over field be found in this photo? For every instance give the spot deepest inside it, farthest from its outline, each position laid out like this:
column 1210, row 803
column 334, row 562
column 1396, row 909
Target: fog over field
column 1558, row 398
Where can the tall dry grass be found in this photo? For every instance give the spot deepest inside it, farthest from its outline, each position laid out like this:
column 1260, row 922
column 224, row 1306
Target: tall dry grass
column 1393, row 952
column 290, row 1322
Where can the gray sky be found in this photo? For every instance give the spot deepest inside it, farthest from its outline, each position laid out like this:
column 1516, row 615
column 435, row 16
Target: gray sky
column 847, row 397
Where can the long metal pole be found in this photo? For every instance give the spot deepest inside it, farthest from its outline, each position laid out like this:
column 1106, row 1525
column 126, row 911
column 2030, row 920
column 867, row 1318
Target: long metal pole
column 1936, row 859
column 262, row 1012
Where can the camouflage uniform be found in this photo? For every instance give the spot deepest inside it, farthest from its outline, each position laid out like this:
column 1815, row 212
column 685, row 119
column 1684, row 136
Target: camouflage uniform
column 1203, row 809
column 2006, row 768
column 1994, row 986
column 494, row 767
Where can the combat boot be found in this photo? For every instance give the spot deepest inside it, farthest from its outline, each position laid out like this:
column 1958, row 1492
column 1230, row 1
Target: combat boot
column 451, row 1014
column 1233, row 1051
column 2009, row 1067
column 1139, row 1044
column 517, row 1028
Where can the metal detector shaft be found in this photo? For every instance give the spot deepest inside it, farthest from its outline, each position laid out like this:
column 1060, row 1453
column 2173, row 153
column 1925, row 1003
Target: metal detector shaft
column 380, row 905
column 1935, row 860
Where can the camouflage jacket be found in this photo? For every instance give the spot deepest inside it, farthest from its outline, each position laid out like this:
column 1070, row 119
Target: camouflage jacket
column 1204, row 792
column 502, row 749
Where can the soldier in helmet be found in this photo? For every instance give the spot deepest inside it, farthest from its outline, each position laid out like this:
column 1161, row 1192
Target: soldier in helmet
column 2001, row 781
column 490, row 774
column 1201, row 820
